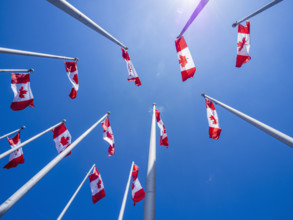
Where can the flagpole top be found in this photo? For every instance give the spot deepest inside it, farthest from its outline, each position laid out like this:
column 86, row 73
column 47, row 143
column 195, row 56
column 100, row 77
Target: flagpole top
column 22, row 127
column 203, row 95
column 76, row 59
column 108, row 113
column 234, row 25
column 31, row 70
column 64, row 120
column 154, row 104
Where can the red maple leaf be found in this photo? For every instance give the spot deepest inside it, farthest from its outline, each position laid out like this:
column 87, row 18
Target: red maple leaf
column 22, row 92
column 241, row 44
column 64, row 141
column 129, row 68
column 214, row 120
column 99, row 184
column 182, row 61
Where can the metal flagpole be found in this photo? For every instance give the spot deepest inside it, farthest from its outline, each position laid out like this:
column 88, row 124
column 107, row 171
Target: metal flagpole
column 34, row 54
column 16, row 70
column 5, row 206
column 257, row 12
column 74, row 195
column 74, row 12
column 196, row 12
column 4, row 136
column 267, row 129
column 28, row 141
column 149, row 212
column 121, row 213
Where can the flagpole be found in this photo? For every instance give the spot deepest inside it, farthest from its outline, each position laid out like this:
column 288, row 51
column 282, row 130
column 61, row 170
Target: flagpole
column 74, row 12
column 265, row 128
column 29, row 53
column 149, row 212
column 121, row 213
column 16, row 70
column 74, row 195
column 5, row 206
column 257, row 12
column 29, row 140
column 12, row 132
column 196, row 12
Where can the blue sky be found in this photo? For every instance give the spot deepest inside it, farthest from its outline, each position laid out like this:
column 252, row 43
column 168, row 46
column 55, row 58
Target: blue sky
column 246, row 174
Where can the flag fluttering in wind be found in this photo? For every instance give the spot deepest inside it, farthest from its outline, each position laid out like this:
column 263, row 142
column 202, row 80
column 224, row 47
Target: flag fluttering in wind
column 132, row 75
column 16, row 157
column 72, row 73
column 214, row 127
column 164, row 139
column 243, row 44
column 62, row 138
column 108, row 136
column 187, row 66
column 138, row 193
column 196, row 12
column 97, row 186
column 23, row 96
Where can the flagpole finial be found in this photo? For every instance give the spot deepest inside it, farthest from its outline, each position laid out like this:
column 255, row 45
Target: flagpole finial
column 203, row 94
column 234, row 25
column 22, row 127
column 108, row 113
column 154, row 104
column 76, row 59
column 31, row 70
column 64, row 120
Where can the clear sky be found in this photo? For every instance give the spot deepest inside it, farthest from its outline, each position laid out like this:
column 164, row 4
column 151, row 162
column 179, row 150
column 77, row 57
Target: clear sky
column 246, row 174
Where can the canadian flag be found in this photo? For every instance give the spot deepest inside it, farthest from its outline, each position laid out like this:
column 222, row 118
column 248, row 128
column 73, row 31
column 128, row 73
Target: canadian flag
column 138, row 193
column 23, row 96
column 164, row 139
column 97, row 186
column 187, row 66
column 243, row 44
column 108, row 136
column 214, row 127
column 62, row 138
column 15, row 157
column 72, row 73
column 132, row 75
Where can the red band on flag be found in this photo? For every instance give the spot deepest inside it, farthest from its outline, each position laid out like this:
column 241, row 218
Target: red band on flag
column 17, row 78
column 57, row 131
column 180, row 44
column 16, row 106
column 214, row 133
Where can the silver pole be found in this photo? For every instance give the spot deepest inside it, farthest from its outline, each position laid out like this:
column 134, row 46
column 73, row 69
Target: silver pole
column 74, row 195
column 34, row 54
column 121, row 213
column 5, row 206
column 149, row 212
column 12, row 132
column 267, row 129
column 257, row 12
column 16, row 70
column 74, row 12
column 28, row 141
